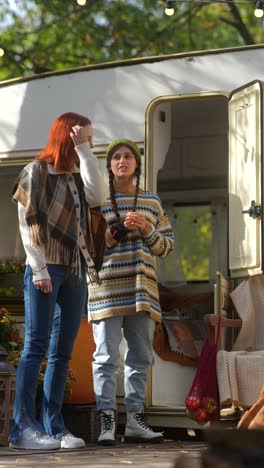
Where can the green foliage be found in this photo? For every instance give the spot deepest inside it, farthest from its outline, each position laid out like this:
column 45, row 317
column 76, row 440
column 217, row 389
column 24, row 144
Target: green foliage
column 195, row 237
column 190, row 261
column 12, row 341
column 40, row 36
column 8, row 292
column 12, row 265
column 9, row 333
column 13, row 359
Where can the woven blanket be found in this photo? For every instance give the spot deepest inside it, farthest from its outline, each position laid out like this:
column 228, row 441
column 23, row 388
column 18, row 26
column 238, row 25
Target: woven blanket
column 180, row 340
column 186, row 336
column 240, row 376
column 240, row 372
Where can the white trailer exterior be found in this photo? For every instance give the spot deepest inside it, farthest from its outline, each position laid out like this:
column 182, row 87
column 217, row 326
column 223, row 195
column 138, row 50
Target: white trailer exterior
column 199, row 119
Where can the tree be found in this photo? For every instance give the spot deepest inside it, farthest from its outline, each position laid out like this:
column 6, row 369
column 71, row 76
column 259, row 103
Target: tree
column 40, row 36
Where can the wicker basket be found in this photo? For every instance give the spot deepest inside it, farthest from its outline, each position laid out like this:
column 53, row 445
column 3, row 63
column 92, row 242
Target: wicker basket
column 82, row 421
column 13, row 280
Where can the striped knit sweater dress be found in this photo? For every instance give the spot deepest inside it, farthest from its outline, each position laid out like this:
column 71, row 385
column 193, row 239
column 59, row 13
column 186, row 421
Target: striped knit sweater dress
column 128, row 275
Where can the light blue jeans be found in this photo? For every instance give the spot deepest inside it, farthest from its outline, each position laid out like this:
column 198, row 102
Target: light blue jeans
column 53, row 328
column 138, row 333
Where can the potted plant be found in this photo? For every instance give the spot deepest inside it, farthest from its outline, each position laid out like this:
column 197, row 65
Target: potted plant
column 13, row 359
column 11, row 276
column 11, row 339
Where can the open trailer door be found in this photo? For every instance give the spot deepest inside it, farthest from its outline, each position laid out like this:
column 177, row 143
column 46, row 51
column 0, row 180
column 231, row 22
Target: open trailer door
column 245, row 180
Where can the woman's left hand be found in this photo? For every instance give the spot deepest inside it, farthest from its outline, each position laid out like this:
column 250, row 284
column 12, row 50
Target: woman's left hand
column 79, row 135
column 134, row 220
column 44, row 286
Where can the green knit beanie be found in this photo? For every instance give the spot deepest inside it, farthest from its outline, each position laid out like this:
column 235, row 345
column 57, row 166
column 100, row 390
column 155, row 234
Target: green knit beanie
column 125, row 142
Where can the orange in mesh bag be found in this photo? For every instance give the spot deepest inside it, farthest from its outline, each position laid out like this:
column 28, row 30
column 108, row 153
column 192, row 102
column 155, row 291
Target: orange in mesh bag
column 202, row 402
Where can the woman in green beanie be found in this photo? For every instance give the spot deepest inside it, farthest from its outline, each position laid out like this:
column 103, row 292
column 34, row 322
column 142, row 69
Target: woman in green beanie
column 127, row 297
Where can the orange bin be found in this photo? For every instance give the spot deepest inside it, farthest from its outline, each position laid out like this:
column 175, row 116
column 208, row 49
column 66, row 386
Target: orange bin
column 81, row 365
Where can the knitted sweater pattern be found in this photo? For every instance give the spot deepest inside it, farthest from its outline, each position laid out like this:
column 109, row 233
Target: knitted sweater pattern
column 128, row 275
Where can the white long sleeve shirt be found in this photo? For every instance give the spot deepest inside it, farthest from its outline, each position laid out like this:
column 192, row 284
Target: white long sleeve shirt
column 96, row 192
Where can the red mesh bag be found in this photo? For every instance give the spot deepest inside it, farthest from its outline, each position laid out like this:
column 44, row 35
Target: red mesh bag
column 202, row 402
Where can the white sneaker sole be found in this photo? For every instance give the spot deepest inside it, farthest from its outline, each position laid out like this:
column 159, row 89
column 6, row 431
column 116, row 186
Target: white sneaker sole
column 73, row 445
column 24, row 446
column 138, row 440
column 106, row 442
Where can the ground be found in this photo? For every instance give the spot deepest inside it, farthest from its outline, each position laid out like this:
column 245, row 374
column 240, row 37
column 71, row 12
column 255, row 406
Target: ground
column 169, row 454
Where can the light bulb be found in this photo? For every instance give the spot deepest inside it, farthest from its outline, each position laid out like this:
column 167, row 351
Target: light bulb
column 259, row 9
column 2, row 52
column 169, row 10
column 81, row 2
column 258, row 13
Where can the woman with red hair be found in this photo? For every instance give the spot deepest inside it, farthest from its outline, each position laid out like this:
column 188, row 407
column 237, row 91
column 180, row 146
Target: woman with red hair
column 53, row 193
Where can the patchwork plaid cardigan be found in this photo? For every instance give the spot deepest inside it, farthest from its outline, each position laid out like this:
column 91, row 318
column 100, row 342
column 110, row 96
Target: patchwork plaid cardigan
column 50, row 212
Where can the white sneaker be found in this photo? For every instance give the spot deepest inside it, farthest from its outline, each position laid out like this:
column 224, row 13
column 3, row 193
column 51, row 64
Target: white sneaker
column 32, row 440
column 69, row 441
column 137, row 429
column 107, row 435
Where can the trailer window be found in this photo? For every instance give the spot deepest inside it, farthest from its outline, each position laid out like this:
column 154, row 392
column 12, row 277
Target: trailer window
column 194, row 228
column 190, row 260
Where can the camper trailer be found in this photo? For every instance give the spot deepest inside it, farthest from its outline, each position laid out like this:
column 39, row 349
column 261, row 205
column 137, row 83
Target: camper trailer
column 198, row 118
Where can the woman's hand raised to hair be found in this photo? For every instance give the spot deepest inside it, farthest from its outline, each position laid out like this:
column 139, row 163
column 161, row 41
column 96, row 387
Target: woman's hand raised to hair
column 134, row 220
column 79, row 135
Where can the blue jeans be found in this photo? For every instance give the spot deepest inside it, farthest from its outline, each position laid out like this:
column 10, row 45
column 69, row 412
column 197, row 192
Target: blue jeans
column 138, row 330
column 49, row 328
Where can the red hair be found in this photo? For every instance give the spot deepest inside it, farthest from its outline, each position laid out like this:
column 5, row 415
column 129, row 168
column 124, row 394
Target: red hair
column 60, row 150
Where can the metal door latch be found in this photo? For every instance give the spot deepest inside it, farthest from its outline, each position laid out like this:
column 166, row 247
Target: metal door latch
column 254, row 210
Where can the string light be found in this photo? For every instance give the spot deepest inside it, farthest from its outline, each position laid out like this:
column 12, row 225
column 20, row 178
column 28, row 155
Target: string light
column 169, row 10
column 259, row 9
column 81, row 2
column 258, row 12
column 2, row 52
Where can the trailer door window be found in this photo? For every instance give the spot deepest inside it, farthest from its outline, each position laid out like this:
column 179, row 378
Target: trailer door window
column 190, row 259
